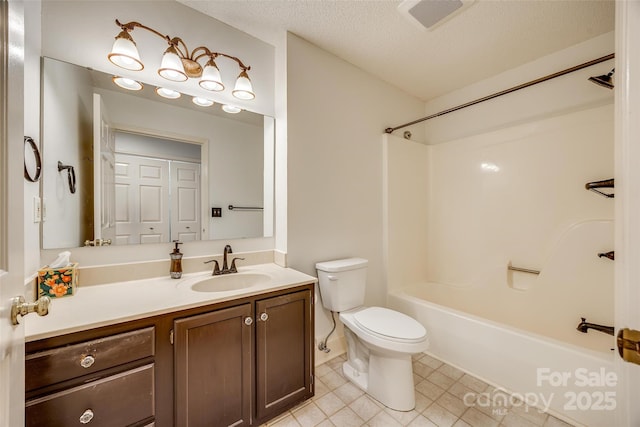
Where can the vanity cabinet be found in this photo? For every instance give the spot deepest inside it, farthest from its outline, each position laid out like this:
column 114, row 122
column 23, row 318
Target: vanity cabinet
column 284, row 353
column 213, row 368
column 104, row 381
column 216, row 365
column 239, row 362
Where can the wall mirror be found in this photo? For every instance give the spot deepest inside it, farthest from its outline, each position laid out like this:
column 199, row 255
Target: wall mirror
column 148, row 169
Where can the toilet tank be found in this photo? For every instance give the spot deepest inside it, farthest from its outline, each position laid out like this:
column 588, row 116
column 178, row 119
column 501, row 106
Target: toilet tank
column 342, row 283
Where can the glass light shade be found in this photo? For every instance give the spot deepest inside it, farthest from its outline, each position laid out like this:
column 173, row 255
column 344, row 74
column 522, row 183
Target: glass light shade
column 231, row 109
column 202, row 102
column 127, row 83
column 211, row 79
column 171, row 67
column 168, row 93
column 124, row 53
column 243, row 89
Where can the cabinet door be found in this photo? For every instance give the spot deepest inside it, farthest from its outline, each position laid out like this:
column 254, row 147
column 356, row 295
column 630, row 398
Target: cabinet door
column 213, row 368
column 284, row 349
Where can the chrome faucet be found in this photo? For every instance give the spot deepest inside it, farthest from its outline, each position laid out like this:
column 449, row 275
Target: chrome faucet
column 225, row 268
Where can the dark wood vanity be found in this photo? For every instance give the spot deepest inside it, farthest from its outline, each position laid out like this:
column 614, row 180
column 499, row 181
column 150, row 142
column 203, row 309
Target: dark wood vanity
column 239, row 362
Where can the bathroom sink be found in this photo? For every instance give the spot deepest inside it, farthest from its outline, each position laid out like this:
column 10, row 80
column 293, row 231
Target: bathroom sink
column 230, row 282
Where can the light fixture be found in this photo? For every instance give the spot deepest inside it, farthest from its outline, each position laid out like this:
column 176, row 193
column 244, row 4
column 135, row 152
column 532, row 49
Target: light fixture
column 604, row 80
column 124, row 52
column 243, row 88
column 211, row 79
column 231, row 109
column 167, row 93
column 171, row 67
column 178, row 64
column 127, row 83
column 202, row 102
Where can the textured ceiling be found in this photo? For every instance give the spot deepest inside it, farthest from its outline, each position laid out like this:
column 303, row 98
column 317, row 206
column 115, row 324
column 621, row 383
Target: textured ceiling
column 489, row 37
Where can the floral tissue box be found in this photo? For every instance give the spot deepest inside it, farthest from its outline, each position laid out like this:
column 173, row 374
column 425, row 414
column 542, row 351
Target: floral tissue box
column 58, row 282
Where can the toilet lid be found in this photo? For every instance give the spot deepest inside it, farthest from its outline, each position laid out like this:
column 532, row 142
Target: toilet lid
column 390, row 323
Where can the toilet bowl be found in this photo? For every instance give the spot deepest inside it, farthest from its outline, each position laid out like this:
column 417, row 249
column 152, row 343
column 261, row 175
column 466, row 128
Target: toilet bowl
column 380, row 341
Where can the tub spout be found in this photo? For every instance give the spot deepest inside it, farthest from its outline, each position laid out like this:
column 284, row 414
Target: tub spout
column 584, row 326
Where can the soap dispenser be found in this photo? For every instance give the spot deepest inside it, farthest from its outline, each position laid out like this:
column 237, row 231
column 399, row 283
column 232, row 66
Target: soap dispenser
column 176, row 261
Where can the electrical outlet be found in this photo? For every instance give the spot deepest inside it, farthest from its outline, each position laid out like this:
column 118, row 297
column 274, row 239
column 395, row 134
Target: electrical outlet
column 216, row 212
column 37, row 209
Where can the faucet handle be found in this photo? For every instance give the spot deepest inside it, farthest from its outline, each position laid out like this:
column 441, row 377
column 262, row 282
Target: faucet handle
column 216, row 267
column 233, row 268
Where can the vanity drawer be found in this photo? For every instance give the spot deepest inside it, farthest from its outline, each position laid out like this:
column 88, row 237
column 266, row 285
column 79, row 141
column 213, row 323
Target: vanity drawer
column 119, row 400
column 64, row 363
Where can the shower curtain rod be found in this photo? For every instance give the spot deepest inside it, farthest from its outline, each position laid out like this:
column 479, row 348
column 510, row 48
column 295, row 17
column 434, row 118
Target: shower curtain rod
column 506, row 91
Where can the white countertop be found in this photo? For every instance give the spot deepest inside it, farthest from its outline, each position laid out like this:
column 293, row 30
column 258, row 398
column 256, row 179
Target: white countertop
column 102, row 305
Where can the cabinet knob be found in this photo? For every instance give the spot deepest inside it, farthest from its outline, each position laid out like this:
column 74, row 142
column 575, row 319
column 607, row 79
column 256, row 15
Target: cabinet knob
column 86, row 417
column 264, row 317
column 248, row 321
column 87, row 361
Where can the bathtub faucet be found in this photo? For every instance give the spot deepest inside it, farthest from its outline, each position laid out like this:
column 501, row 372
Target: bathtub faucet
column 584, row 326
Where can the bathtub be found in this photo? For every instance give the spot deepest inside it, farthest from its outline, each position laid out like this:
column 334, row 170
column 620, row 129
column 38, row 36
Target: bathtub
column 570, row 382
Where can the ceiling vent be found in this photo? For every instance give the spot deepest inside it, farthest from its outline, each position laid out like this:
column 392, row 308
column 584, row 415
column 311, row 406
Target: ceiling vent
column 429, row 14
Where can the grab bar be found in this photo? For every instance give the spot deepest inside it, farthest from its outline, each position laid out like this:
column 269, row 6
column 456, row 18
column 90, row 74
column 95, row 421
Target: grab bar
column 522, row 270
column 594, row 185
column 244, row 208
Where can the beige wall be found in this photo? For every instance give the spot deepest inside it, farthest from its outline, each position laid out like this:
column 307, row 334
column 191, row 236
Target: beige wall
column 336, row 117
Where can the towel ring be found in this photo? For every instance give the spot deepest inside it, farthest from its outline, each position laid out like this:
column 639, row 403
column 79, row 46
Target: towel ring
column 71, row 175
column 32, row 160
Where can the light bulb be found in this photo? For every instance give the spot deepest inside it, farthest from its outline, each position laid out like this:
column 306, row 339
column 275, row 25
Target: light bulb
column 202, row 102
column 127, row 83
column 167, row 93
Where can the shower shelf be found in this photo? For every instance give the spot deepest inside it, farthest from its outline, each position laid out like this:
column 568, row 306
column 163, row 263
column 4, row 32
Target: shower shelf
column 595, row 185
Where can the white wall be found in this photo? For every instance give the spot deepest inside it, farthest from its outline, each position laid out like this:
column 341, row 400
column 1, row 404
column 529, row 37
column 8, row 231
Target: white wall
column 336, row 117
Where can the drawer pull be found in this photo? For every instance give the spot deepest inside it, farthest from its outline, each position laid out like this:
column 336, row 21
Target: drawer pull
column 248, row 321
column 264, row 317
column 86, row 417
column 87, row 361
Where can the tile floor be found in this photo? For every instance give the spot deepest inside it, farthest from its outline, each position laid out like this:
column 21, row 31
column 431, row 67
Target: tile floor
column 441, row 393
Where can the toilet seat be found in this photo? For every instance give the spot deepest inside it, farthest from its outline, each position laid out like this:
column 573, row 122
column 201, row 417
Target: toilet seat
column 390, row 325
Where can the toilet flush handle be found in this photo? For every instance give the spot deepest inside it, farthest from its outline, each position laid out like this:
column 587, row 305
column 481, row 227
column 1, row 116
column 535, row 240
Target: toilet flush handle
column 332, row 278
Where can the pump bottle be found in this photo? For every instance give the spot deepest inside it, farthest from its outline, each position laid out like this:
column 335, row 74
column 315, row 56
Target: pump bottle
column 176, row 261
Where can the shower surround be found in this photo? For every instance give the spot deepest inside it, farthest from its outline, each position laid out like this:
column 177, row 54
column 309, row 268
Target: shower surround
column 459, row 213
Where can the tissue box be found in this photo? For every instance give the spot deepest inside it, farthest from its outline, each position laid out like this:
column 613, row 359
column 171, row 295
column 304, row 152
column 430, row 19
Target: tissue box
column 58, row 282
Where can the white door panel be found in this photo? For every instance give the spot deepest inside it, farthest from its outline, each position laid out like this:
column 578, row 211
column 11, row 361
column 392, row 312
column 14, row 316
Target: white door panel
column 142, row 199
column 185, row 201
column 11, row 220
column 103, row 173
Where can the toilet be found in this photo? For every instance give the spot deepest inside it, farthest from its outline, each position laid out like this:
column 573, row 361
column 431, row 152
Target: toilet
column 380, row 341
